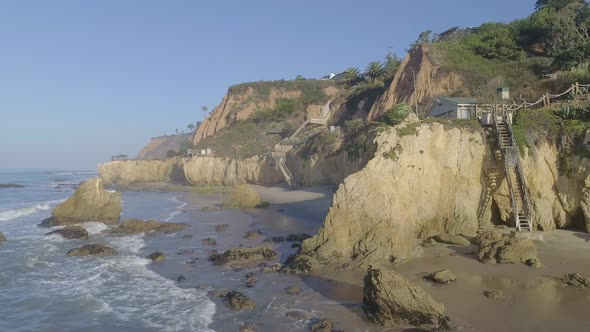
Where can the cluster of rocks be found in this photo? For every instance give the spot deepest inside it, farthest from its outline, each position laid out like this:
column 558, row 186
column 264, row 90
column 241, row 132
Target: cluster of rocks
column 71, row 232
column 135, row 226
column 93, row 249
column 495, row 247
column 243, row 255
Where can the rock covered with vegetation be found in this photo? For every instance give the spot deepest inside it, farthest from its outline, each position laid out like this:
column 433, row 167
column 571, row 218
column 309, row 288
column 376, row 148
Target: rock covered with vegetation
column 391, row 300
column 71, row 232
column 244, row 255
column 134, row 226
column 90, row 202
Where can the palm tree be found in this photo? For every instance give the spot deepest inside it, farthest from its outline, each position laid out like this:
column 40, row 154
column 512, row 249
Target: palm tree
column 204, row 109
column 374, row 71
column 351, row 76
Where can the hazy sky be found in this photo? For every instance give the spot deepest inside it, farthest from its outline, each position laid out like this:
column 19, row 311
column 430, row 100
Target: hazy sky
column 81, row 81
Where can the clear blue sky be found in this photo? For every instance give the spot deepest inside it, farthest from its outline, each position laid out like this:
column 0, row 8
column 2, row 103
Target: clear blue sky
column 83, row 80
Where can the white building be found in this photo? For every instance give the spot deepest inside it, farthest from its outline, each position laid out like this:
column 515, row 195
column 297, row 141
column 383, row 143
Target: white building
column 454, row 108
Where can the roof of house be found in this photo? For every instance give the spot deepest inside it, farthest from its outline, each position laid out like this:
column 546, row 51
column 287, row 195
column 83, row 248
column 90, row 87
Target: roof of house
column 465, row 100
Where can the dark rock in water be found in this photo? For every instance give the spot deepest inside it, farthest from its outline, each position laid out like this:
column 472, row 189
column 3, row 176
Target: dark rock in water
column 217, row 293
column 186, row 252
column 293, row 290
column 252, row 235
column 187, row 236
column 212, row 252
column 221, row 228
column 250, row 280
column 301, row 263
column 2, row 237
column 135, row 226
column 181, row 278
column 71, row 232
column 244, row 255
column 192, row 261
column 275, row 239
column 576, row 280
column 280, row 210
column 452, row 239
column 391, row 300
column 94, row 249
column 11, row 185
column 324, row 325
column 493, row 294
column 273, row 268
column 297, row 315
column 248, row 328
column 295, row 245
column 238, row 301
column 209, row 241
column 297, row 237
column 90, row 202
column 157, row 256
column 441, row 277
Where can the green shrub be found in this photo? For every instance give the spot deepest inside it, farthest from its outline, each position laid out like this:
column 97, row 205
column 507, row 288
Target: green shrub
column 397, row 114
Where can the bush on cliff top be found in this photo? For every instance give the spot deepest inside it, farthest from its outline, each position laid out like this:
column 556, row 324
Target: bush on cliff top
column 397, row 114
column 311, row 90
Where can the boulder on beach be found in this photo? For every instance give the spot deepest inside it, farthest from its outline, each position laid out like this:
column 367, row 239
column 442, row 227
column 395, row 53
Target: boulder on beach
column 242, row 196
column 2, row 237
column 94, row 249
column 71, row 232
column 244, row 255
column 90, row 202
column 576, row 280
column 452, row 239
column 301, row 263
column 238, row 301
column 323, row 325
column 134, row 226
column 252, row 235
column 157, row 256
column 441, row 277
column 493, row 294
column 293, row 290
column 391, row 300
column 494, row 247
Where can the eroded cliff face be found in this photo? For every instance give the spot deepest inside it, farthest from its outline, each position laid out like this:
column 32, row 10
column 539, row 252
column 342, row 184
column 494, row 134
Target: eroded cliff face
column 416, row 186
column 211, row 171
column 141, row 171
column 237, row 106
column 158, row 147
column 430, row 82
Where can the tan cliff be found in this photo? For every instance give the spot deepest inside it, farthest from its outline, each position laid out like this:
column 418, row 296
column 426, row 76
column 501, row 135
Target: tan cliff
column 241, row 104
column 158, row 147
column 430, row 81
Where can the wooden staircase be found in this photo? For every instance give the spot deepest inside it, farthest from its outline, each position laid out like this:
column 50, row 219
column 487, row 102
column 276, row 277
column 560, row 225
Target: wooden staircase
column 279, row 156
column 519, row 199
column 490, row 186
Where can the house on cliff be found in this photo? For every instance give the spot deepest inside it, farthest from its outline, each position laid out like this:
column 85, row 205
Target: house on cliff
column 454, row 108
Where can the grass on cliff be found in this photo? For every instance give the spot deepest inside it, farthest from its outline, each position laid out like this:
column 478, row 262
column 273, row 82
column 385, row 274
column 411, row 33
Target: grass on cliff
column 311, row 90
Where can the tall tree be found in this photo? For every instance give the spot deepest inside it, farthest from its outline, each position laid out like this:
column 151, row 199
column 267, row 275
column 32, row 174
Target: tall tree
column 190, row 126
column 205, row 109
column 351, row 76
column 374, row 71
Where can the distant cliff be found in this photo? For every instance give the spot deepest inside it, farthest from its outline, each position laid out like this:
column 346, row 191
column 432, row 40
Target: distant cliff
column 158, row 147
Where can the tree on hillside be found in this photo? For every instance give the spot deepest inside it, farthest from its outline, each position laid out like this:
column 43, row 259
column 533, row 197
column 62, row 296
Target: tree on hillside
column 204, row 109
column 392, row 63
column 351, row 76
column 190, row 126
column 495, row 41
column 556, row 4
column 374, row 71
column 176, row 131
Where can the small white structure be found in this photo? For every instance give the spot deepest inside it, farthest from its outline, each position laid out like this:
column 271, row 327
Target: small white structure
column 454, row 108
column 503, row 93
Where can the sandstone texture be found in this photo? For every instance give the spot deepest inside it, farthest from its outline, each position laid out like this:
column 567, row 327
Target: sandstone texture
column 134, row 226
column 2, row 237
column 494, row 247
column 576, row 280
column 216, row 171
column 128, row 172
column 71, row 232
column 391, row 300
column 244, row 255
column 90, row 202
column 242, row 196
column 94, row 249
column 158, row 147
column 402, row 195
column 452, row 239
column 441, row 277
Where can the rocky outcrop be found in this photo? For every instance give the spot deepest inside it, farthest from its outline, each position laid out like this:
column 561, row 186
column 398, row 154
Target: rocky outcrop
column 134, row 226
column 95, row 249
column 71, row 232
column 158, row 147
column 403, row 194
column 391, row 300
column 242, row 196
column 452, row 239
column 157, row 256
column 213, row 171
column 441, row 277
column 90, row 202
column 241, row 102
column 238, row 301
column 141, row 171
column 494, row 247
column 576, row 280
column 244, row 255
column 430, row 80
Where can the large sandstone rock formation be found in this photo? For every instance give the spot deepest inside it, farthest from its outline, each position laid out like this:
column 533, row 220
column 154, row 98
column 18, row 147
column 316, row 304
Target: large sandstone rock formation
column 495, row 247
column 141, row 171
column 417, row 186
column 391, row 300
column 90, row 202
column 212, row 171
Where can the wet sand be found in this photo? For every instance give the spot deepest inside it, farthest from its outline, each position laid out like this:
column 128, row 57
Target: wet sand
column 535, row 299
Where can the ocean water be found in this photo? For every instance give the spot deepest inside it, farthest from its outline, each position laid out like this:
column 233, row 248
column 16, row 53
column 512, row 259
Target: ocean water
column 41, row 289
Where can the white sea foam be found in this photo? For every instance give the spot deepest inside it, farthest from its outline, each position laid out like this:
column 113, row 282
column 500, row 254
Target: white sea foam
column 94, row 227
column 178, row 209
column 17, row 213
